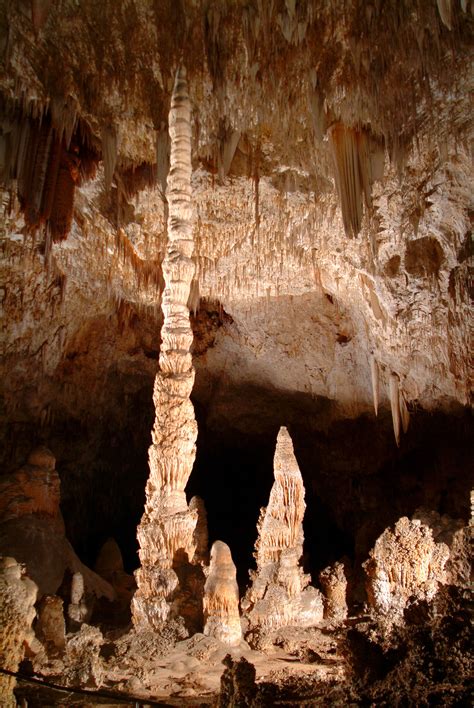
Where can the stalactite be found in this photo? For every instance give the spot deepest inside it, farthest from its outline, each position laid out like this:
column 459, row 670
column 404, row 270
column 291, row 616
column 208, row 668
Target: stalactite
column 404, row 414
column 47, row 157
column 166, row 533
column 394, row 392
column 374, row 373
column 109, row 154
column 358, row 161
column 445, row 9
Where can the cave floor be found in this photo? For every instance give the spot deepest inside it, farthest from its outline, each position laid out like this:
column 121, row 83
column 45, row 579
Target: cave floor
column 188, row 673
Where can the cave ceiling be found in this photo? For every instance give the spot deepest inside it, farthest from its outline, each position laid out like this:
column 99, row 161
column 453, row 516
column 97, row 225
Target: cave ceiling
column 332, row 192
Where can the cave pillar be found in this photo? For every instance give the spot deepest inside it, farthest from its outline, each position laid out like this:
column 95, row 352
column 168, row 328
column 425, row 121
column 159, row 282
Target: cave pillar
column 166, row 533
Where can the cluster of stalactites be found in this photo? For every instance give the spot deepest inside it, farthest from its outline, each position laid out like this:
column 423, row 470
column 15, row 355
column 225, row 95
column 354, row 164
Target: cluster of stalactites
column 46, row 153
column 398, row 401
column 358, row 161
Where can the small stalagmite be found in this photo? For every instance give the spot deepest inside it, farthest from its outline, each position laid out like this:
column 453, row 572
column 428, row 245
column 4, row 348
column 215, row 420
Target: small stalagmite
column 167, row 531
column 334, row 583
column 221, row 597
column 280, row 593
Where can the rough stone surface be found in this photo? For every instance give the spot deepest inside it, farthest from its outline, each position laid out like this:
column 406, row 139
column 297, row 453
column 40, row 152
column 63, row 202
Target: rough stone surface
column 17, row 599
column 405, row 564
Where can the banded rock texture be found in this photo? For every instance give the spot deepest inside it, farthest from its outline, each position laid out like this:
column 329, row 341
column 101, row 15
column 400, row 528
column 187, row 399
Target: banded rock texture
column 32, row 527
column 17, row 599
column 167, row 530
column 279, row 594
column 405, row 564
column 221, row 597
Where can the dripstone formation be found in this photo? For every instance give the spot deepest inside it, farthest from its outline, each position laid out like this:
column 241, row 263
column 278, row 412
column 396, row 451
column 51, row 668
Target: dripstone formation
column 167, row 530
column 280, row 593
column 223, row 218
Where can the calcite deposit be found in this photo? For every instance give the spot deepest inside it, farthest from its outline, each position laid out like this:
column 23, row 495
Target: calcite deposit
column 334, row 584
column 167, row 530
column 405, row 565
column 17, row 599
column 280, row 594
column 32, row 527
column 221, row 597
column 218, row 218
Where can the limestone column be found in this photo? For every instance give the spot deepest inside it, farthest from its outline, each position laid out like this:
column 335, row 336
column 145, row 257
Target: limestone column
column 166, row 532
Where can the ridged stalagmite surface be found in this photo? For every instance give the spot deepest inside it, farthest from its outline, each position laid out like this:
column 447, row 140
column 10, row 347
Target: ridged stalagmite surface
column 167, row 530
column 279, row 594
column 221, row 597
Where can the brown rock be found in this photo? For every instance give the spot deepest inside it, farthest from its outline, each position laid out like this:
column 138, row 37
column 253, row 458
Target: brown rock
column 17, row 598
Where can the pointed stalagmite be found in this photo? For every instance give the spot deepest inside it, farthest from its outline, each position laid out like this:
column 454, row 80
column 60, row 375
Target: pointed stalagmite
column 167, row 530
column 221, row 597
column 279, row 594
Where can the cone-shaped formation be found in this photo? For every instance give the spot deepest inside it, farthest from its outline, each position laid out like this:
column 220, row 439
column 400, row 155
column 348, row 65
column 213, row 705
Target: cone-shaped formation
column 277, row 596
column 221, row 597
column 167, row 530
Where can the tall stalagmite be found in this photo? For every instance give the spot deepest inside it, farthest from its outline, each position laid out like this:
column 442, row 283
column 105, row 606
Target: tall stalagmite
column 166, row 532
column 279, row 594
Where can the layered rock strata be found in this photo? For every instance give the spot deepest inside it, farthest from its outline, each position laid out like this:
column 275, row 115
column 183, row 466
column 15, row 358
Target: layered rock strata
column 221, row 597
column 167, row 530
column 405, row 565
column 17, row 599
column 279, row 594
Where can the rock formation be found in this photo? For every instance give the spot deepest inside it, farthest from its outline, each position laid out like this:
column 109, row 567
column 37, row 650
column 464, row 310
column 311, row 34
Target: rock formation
column 238, row 688
column 17, row 599
column 50, row 627
column 221, row 597
column 167, row 530
column 279, row 594
column 404, row 565
column 32, row 526
column 334, row 583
